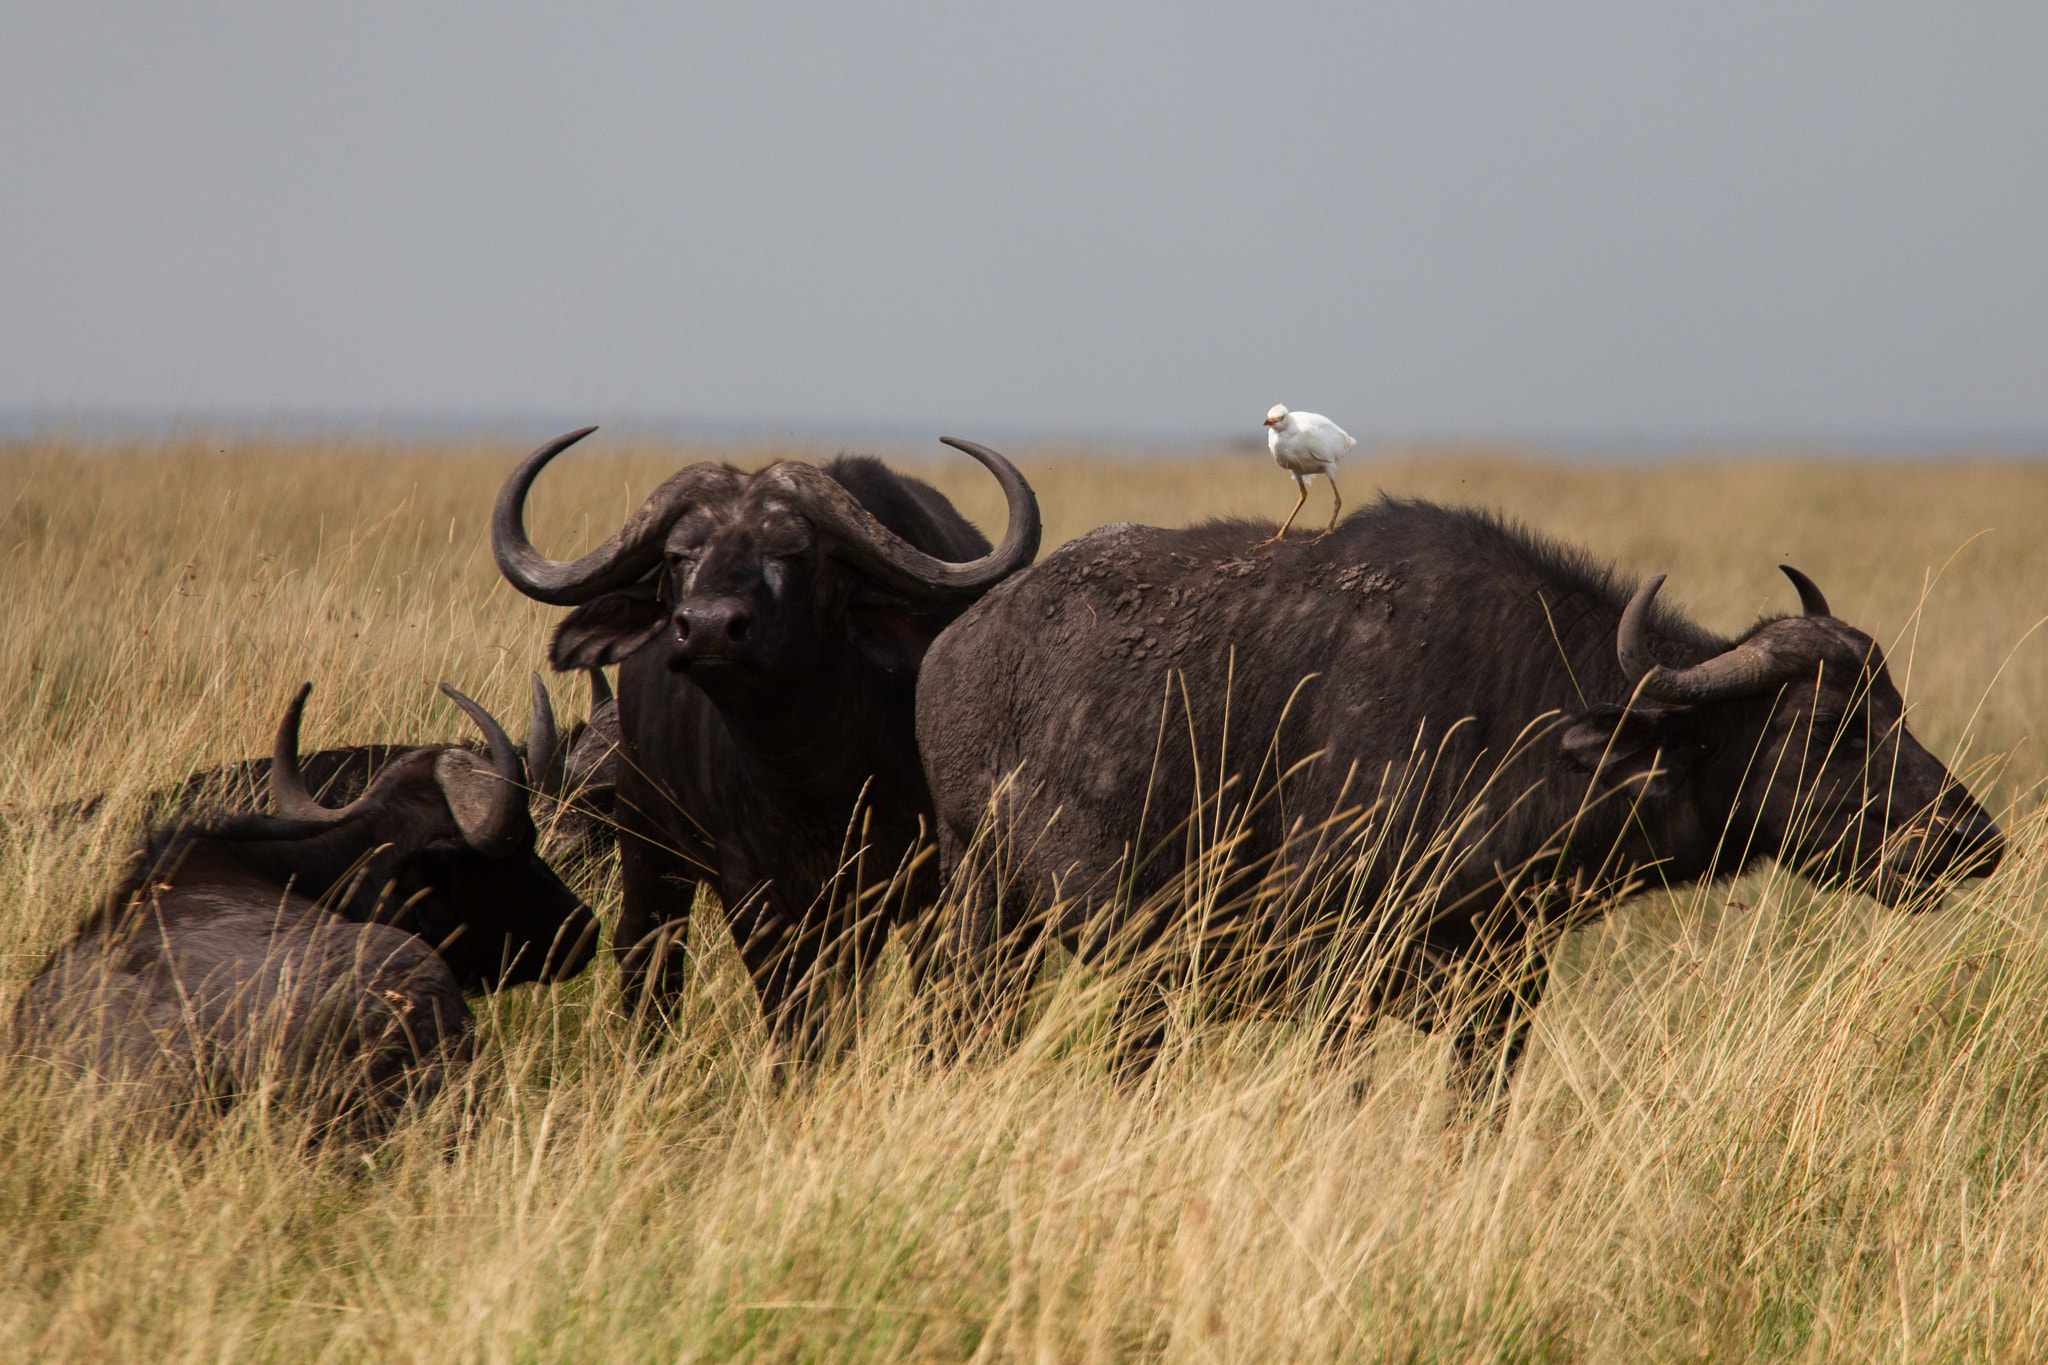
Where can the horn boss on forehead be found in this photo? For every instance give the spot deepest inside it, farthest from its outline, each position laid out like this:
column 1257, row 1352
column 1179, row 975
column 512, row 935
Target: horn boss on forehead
column 631, row 551
column 883, row 555
column 1753, row 666
column 637, row 545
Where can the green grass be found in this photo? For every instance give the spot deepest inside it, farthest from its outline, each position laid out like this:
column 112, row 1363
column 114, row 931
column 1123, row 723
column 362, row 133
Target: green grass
column 1757, row 1121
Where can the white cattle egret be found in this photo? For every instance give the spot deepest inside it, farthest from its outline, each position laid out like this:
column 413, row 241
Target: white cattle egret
column 1306, row 444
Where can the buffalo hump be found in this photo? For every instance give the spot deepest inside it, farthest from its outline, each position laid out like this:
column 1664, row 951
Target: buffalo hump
column 1420, row 727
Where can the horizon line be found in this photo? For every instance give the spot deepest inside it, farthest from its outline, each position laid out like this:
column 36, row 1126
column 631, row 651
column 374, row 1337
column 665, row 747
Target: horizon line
column 110, row 422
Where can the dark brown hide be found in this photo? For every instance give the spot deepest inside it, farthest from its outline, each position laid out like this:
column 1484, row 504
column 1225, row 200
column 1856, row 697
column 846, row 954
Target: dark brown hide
column 1450, row 688
column 320, row 957
column 769, row 628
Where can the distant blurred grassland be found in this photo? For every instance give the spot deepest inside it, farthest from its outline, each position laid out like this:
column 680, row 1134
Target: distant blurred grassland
column 1757, row 1122
column 155, row 578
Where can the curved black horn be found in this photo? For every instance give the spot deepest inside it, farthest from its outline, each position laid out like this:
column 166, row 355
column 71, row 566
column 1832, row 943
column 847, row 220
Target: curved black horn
column 870, row 546
column 288, row 794
column 1810, row 600
column 490, row 811
column 632, row 550
column 1632, row 641
column 541, row 741
column 1743, row 671
column 1022, row 529
column 600, row 689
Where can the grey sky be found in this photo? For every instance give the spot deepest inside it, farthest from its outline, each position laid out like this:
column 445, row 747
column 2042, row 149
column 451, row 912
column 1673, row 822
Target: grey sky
column 1553, row 220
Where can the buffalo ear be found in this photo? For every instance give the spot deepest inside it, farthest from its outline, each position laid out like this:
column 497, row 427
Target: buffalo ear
column 890, row 632
column 608, row 629
column 1644, row 744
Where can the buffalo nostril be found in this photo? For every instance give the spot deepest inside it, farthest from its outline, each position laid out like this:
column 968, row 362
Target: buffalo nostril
column 712, row 628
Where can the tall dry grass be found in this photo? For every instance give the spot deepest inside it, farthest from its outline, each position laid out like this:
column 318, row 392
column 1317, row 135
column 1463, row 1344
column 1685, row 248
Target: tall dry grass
column 1756, row 1122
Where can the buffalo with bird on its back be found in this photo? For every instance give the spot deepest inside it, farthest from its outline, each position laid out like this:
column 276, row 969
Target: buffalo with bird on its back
column 1431, row 728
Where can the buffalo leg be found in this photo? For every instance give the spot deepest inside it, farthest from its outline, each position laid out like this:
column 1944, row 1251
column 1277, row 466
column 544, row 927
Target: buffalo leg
column 806, row 979
column 659, row 887
column 783, row 967
column 985, row 998
column 992, row 957
column 792, row 962
column 1139, row 1025
column 1489, row 1040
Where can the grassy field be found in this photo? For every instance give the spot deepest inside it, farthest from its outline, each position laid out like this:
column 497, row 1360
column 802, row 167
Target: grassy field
column 1757, row 1122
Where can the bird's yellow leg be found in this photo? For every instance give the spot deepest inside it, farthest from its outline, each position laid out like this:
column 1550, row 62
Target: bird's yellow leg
column 1281, row 534
column 1334, row 510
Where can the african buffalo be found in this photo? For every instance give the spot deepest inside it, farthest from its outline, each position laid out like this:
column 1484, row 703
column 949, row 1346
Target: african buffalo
column 1431, row 726
column 769, row 628
column 318, row 953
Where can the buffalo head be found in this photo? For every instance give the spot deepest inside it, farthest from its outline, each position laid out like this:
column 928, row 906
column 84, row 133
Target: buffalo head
column 1799, row 731
column 747, row 575
column 458, row 853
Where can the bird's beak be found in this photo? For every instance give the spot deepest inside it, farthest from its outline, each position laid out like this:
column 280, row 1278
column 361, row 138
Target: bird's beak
column 1270, row 422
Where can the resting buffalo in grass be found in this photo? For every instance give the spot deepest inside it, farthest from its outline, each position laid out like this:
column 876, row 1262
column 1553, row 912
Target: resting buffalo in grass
column 1479, row 732
column 574, row 775
column 317, row 953
column 769, row 628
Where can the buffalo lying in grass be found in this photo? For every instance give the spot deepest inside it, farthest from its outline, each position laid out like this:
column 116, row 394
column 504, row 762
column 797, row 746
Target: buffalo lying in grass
column 1420, row 743
column 769, row 628
column 318, row 953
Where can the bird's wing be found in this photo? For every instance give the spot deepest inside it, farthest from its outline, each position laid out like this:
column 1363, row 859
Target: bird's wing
column 1328, row 434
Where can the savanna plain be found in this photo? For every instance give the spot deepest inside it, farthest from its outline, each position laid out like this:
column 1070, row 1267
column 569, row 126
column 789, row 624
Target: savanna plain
column 1757, row 1120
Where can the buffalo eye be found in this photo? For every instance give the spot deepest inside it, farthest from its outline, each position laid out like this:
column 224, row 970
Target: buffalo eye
column 773, row 573
column 676, row 576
